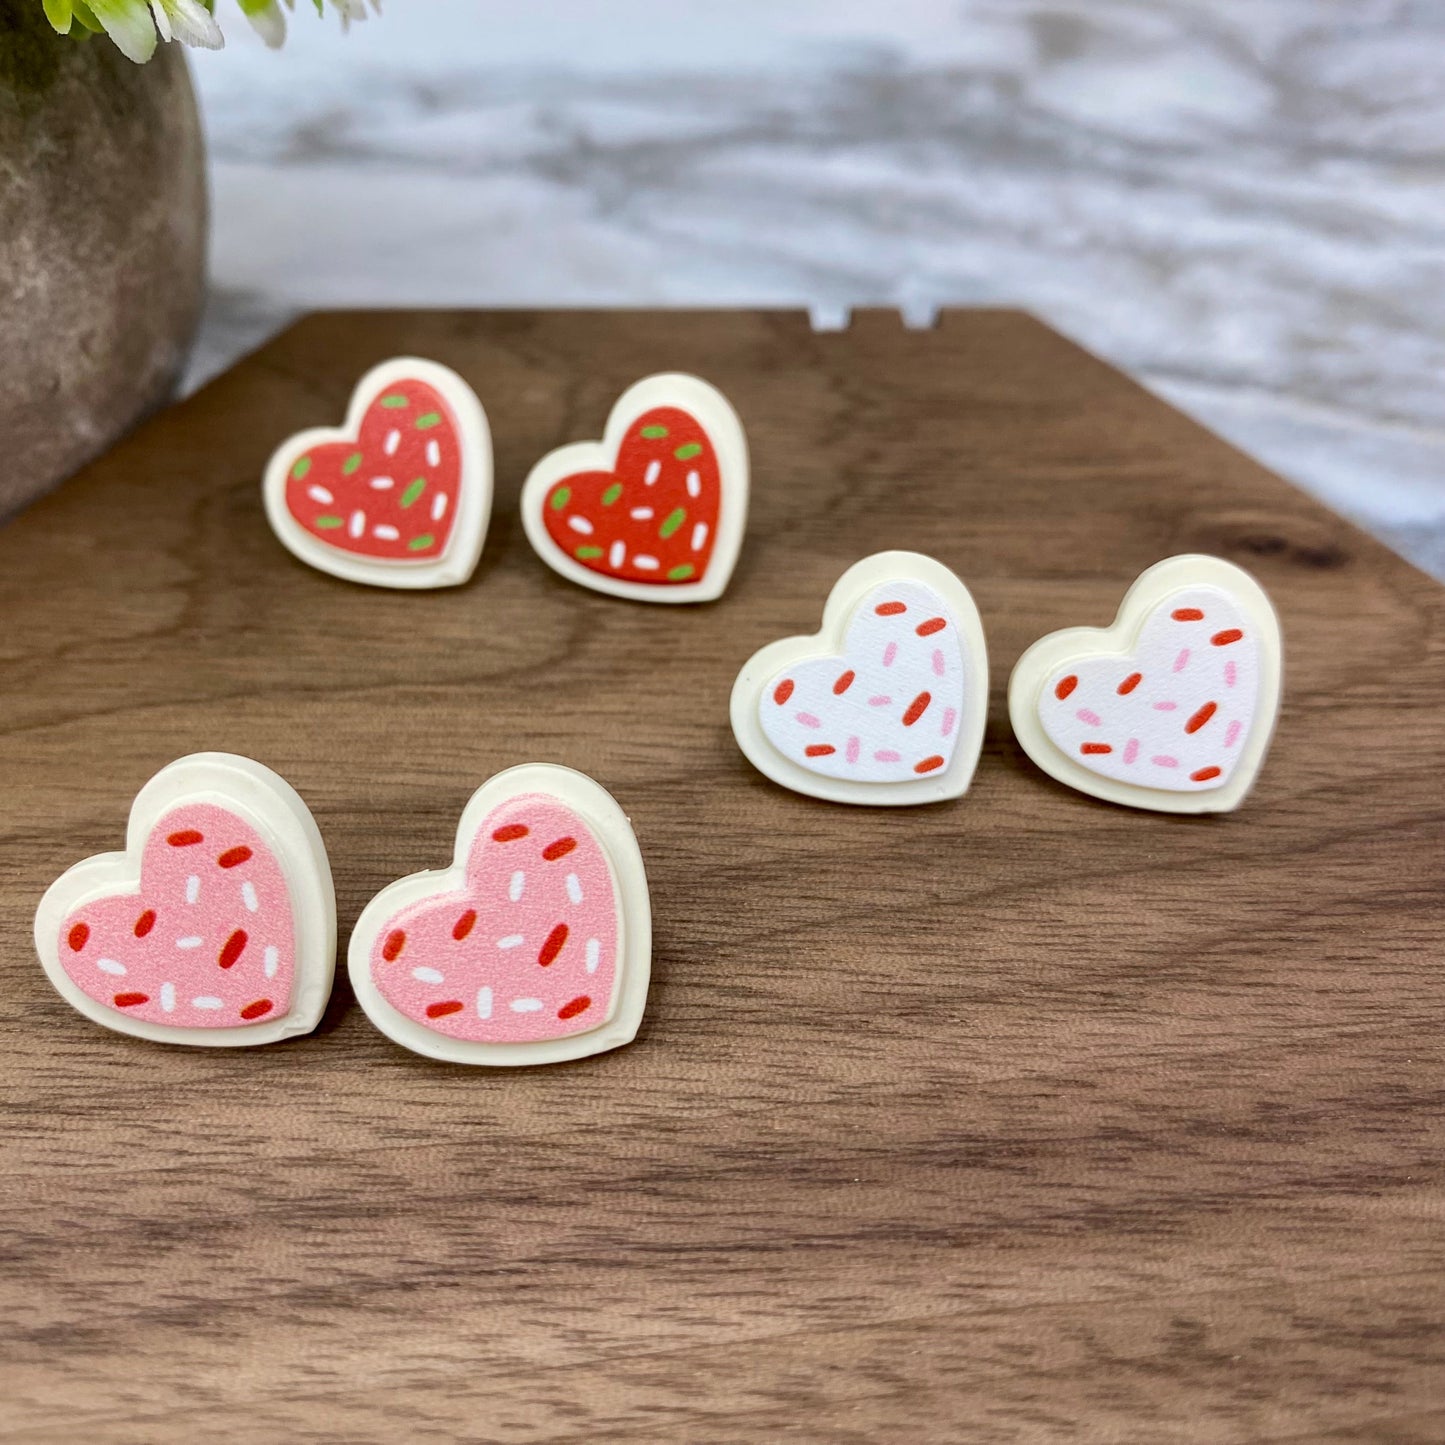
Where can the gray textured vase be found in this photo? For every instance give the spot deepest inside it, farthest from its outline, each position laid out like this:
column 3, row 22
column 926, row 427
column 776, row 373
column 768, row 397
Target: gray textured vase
column 102, row 244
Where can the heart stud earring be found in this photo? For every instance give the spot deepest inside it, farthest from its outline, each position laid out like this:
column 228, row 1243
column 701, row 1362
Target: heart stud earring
column 217, row 924
column 401, row 495
column 1173, row 706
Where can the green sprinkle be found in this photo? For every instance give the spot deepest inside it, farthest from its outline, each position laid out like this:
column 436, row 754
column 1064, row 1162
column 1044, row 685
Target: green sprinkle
column 652, row 432
column 413, row 492
column 427, row 420
column 611, row 494
column 672, row 522
column 425, row 540
column 680, row 574
column 301, row 468
column 395, row 400
column 687, row 452
column 560, row 498
column 351, row 463
column 328, row 522
column 587, row 553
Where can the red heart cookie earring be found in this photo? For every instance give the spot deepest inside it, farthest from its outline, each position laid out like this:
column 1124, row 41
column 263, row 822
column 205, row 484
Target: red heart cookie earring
column 400, row 496
column 1173, row 706
column 884, row 706
column 534, row 946
column 655, row 511
column 217, row 924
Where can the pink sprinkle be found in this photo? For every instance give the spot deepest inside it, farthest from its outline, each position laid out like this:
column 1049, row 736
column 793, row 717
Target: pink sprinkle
column 1092, row 718
column 1231, row 735
column 1165, row 706
column 1231, row 674
column 852, row 752
column 886, row 755
column 880, row 701
column 950, row 716
column 889, row 653
column 808, row 720
column 938, row 661
column 1165, row 761
column 1131, row 750
column 1182, row 661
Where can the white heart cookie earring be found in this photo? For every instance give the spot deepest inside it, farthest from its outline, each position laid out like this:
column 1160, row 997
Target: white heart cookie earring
column 534, row 946
column 401, row 495
column 655, row 511
column 1173, row 706
column 217, row 924
column 886, row 704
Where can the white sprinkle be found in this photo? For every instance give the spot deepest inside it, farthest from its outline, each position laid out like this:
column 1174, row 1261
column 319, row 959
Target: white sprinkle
column 433, row 453
column 580, row 524
column 109, row 965
column 594, row 954
column 438, row 506
column 428, row 975
column 699, row 536
column 385, row 532
column 514, row 888
column 617, row 556
column 647, row 564
column 654, row 471
column 526, row 1005
column 484, row 1003
column 320, row 494
column 383, row 484
column 272, row 960
column 193, row 888
column 206, row 1001
column 512, row 940
column 393, row 440
column 168, row 996
column 643, row 514
column 574, row 888
column 358, row 524
column 248, row 896
column 694, row 485
column 191, row 942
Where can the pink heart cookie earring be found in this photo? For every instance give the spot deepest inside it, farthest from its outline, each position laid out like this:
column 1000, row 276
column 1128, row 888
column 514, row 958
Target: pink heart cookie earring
column 217, row 924
column 533, row 947
column 884, row 706
column 1173, row 706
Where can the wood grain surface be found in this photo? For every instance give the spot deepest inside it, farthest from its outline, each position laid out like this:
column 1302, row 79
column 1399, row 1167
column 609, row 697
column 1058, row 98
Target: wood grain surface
column 1025, row 1118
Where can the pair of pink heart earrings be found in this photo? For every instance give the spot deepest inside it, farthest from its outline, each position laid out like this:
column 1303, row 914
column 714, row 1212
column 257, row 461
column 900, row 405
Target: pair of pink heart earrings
column 217, row 923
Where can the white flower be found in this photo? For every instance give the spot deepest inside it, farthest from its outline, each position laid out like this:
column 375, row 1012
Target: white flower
column 188, row 21
column 129, row 24
column 266, row 19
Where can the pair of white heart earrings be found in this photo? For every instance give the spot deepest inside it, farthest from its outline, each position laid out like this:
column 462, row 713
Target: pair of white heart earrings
column 401, row 495
column 217, row 923
column 1172, row 708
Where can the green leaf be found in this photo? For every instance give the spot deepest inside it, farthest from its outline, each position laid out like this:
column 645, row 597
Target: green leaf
column 81, row 11
column 57, row 12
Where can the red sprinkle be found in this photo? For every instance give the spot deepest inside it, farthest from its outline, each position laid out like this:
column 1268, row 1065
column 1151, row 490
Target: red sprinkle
column 232, row 949
column 934, row 624
column 577, row 1006
column 145, row 923
column 257, row 1009
column 1223, row 639
column 463, row 925
column 843, row 683
column 1204, row 775
column 186, row 838
column 560, row 849
column 819, row 750
column 1096, row 748
column 928, row 765
column 234, row 857
column 1201, row 717
column 890, row 609
column 783, row 691
column 510, row 833
column 1065, row 686
column 78, row 936
column 553, row 946
column 1187, row 614
column 129, row 1000
column 395, row 942
column 917, row 708
column 441, row 1010
column 1130, row 683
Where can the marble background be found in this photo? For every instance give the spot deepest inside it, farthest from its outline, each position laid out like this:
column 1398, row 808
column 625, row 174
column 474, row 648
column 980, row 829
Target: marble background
column 1241, row 202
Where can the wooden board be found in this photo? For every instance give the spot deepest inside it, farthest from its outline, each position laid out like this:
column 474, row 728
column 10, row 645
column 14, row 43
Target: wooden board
column 1026, row 1118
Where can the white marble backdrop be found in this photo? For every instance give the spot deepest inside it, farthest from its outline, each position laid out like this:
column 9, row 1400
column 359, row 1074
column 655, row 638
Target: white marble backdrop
column 1241, row 202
